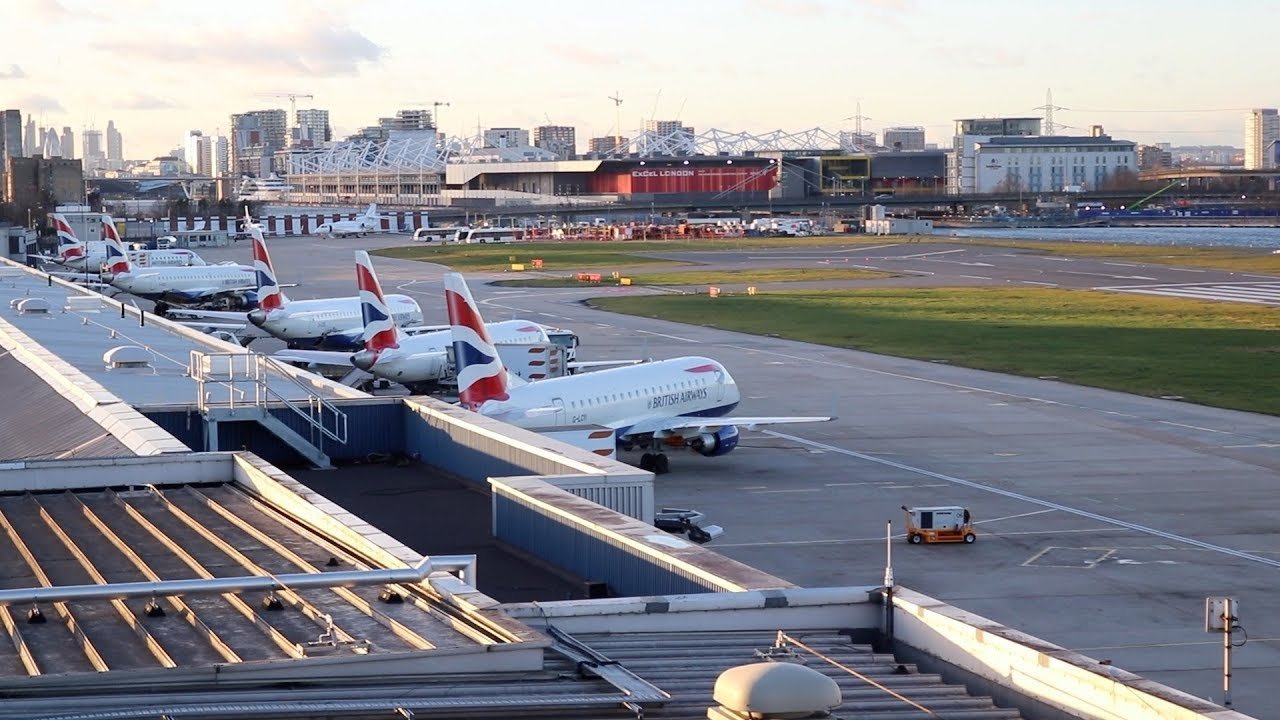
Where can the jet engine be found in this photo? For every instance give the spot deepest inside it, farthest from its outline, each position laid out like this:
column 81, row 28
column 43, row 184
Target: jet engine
column 718, row 443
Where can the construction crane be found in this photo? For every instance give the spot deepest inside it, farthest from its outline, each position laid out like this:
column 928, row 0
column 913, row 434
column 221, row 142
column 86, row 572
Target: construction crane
column 616, row 97
column 293, row 101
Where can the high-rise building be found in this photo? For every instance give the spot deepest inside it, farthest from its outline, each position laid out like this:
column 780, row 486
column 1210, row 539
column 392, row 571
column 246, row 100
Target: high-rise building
column 904, row 138
column 115, row 147
column 198, row 152
column 962, row 169
column 10, row 135
column 606, row 145
column 255, row 138
column 1261, row 131
column 51, row 144
column 312, row 127
column 68, row 143
column 30, row 141
column 506, row 137
column 666, row 127
column 559, row 139
column 413, row 119
column 219, row 156
column 1152, row 157
column 92, row 150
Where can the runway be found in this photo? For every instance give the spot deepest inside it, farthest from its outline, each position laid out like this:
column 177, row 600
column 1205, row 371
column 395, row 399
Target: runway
column 1105, row 518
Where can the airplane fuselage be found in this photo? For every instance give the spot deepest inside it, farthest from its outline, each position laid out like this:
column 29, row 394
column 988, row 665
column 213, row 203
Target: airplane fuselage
column 184, row 284
column 332, row 323
column 424, row 358
column 621, row 397
column 96, row 255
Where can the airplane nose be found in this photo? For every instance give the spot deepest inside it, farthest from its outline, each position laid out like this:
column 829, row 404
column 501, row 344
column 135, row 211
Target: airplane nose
column 257, row 317
column 364, row 359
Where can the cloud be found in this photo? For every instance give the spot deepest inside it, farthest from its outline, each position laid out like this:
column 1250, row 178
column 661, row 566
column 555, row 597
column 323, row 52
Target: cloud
column 986, row 58
column 13, row 73
column 142, row 101
column 320, row 50
column 38, row 104
column 579, row 55
column 794, row 8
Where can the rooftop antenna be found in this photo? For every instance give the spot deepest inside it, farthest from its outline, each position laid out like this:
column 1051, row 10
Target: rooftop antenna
column 1050, row 128
column 616, row 97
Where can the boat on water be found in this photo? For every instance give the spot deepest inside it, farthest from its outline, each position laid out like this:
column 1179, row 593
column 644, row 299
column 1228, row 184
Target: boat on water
column 270, row 189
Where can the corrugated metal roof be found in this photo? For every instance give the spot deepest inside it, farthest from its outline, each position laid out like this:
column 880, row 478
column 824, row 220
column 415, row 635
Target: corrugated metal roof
column 686, row 665
column 37, row 422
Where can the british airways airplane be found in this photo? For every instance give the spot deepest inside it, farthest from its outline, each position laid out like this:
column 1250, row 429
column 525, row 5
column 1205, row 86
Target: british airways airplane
column 228, row 285
column 335, row 324
column 682, row 402
column 89, row 257
column 419, row 362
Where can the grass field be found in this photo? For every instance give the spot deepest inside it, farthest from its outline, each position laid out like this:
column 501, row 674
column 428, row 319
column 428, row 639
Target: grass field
column 619, row 254
column 713, row 277
column 1219, row 354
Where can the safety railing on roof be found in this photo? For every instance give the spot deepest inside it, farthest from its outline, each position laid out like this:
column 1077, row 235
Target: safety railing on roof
column 250, row 379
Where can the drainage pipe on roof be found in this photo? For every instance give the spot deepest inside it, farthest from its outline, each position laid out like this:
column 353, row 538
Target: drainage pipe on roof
column 295, row 581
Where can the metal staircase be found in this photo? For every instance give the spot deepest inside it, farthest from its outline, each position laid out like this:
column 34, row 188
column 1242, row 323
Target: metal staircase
column 235, row 387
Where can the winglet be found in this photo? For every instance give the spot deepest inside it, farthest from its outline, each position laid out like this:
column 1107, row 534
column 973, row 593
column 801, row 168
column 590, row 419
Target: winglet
column 69, row 246
column 380, row 331
column 117, row 257
column 270, row 296
column 481, row 375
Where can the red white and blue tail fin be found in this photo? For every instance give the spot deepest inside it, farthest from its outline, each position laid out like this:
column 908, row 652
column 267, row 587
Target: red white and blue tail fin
column 481, row 375
column 69, row 246
column 117, row 261
column 380, row 331
column 270, row 296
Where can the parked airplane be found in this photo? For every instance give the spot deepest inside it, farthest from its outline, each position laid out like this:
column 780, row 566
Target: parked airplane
column 231, row 286
column 89, row 257
column 419, row 362
column 363, row 225
column 321, row 324
column 669, row 403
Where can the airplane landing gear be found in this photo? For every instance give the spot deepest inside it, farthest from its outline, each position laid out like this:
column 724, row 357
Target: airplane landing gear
column 161, row 309
column 655, row 463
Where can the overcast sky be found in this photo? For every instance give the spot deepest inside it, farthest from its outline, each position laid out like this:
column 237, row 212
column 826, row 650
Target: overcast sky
column 1148, row 70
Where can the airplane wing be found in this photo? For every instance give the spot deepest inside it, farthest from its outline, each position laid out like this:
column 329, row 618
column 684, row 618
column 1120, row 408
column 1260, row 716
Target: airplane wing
column 711, row 424
column 314, row 357
column 219, row 315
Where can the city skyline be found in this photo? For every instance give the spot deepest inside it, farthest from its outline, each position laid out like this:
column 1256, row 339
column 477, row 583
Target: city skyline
column 741, row 65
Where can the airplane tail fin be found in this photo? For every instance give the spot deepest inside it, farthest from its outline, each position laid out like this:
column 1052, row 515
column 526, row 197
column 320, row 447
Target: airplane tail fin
column 380, row 332
column 372, row 211
column 481, row 375
column 69, row 246
column 117, row 257
column 270, row 296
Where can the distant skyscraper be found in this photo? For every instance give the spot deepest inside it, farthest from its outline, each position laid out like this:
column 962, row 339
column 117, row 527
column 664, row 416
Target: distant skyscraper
column 220, row 156
column 559, row 139
column 255, row 138
column 606, row 145
column 92, row 150
column 413, row 119
column 30, row 142
column 312, row 127
column 1261, row 130
column 506, row 137
column 68, row 143
column 115, row 147
column 666, row 127
column 51, row 144
column 10, row 135
column 197, row 152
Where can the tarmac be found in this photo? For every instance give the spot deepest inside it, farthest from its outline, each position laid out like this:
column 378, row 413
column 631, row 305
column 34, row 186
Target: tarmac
column 1105, row 519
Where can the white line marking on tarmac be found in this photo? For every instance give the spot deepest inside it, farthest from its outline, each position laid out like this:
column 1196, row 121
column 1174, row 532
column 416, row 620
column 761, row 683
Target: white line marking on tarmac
column 1033, row 282
column 798, row 490
column 1116, row 264
column 1194, row 427
column 1010, row 517
column 1033, row 500
column 928, row 254
column 673, row 337
column 975, row 277
column 1264, row 277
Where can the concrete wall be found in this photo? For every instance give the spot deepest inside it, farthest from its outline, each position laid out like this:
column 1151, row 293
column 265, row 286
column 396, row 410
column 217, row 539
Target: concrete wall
column 793, row 609
column 633, row 557
column 37, row 475
column 1066, row 682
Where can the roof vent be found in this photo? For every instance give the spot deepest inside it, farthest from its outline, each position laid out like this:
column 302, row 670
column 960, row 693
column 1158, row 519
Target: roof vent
column 32, row 305
column 126, row 356
column 774, row 691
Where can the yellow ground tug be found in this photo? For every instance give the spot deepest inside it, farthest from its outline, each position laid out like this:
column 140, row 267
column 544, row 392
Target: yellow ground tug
column 943, row 524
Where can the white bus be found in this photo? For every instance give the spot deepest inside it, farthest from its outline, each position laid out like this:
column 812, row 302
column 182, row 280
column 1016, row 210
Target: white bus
column 490, row 235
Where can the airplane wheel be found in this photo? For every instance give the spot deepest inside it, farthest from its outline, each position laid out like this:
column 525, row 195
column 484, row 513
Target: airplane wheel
column 970, row 537
column 660, row 464
column 646, row 462
column 161, row 308
column 915, row 539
